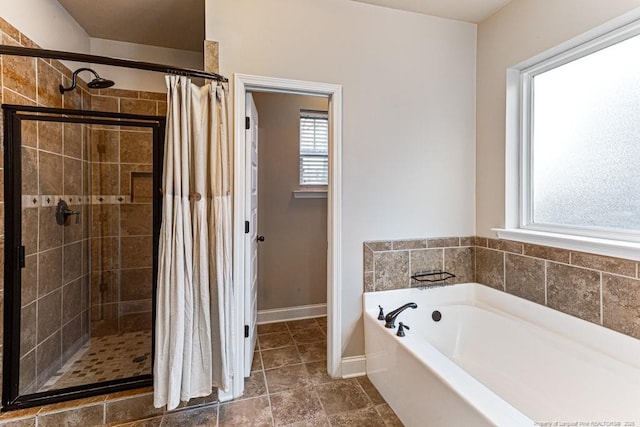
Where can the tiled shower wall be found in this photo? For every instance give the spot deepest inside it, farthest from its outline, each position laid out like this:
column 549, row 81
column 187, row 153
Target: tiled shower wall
column 94, row 169
column 121, row 250
column 58, row 302
column 55, row 279
column 599, row 289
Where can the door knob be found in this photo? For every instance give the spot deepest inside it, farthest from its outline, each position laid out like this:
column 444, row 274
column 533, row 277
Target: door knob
column 260, row 238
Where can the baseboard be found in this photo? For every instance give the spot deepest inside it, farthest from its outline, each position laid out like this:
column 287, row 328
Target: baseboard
column 291, row 313
column 355, row 366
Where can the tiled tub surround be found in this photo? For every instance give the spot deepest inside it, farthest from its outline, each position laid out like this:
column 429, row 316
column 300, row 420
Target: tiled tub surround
column 596, row 288
column 390, row 264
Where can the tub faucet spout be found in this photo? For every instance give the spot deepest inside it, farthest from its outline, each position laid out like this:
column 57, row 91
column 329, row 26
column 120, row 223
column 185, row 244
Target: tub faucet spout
column 390, row 318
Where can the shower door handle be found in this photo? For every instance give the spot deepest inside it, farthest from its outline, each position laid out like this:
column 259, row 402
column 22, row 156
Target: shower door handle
column 21, row 257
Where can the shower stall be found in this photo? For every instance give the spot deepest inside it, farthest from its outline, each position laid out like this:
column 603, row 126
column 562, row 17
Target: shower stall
column 82, row 198
column 83, row 211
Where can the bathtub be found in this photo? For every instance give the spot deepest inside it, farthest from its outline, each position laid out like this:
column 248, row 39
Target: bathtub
column 498, row 360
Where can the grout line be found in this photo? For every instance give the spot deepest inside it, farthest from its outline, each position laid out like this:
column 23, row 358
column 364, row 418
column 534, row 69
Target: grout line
column 601, row 300
column 2, row 73
column 364, row 392
column 410, row 268
column 324, row 411
column 504, row 271
column 373, row 262
column 37, row 83
column 475, row 264
column 546, row 264
column 18, row 94
column 268, row 393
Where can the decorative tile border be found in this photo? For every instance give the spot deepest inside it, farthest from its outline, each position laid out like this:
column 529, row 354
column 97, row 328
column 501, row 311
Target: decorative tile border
column 43, row 201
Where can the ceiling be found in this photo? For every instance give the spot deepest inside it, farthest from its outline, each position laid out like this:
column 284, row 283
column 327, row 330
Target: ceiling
column 463, row 10
column 179, row 24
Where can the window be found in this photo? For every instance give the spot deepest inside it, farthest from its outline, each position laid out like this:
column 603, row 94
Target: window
column 314, row 148
column 575, row 120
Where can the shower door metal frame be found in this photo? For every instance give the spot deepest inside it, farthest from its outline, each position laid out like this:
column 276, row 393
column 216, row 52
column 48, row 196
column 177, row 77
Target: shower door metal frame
column 13, row 115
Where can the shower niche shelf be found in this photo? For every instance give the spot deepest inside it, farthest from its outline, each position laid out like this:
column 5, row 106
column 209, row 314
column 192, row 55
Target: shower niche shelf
column 141, row 184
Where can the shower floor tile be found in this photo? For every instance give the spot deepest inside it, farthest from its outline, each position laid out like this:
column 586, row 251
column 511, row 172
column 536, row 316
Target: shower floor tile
column 105, row 358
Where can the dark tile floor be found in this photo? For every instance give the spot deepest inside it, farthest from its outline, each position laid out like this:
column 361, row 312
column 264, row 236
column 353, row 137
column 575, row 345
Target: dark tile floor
column 289, row 386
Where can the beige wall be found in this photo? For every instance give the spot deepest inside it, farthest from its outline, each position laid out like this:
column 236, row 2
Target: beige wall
column 292, row 261
column 408, row 114
column 517, row 32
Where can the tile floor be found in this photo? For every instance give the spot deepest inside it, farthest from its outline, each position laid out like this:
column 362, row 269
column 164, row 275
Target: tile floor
column 289, row 386
column 105, row 358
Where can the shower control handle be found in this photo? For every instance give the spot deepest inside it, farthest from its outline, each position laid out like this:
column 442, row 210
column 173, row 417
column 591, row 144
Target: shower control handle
column 63, row 212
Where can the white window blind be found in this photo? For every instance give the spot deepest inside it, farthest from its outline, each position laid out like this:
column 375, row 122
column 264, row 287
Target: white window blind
column 314, row 148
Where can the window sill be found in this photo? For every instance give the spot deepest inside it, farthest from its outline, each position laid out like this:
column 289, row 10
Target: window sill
column 614, row 248
column 310, row 194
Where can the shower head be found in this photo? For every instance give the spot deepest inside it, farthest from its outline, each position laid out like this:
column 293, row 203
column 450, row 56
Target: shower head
column 100, row 83
column 97, row 83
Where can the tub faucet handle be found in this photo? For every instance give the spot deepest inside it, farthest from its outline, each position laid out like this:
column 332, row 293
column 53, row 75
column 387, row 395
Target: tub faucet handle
column 401, row 328
column 381, row 314
column 390, row 318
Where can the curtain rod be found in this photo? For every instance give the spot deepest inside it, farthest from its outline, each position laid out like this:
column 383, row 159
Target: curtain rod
column 105, row 60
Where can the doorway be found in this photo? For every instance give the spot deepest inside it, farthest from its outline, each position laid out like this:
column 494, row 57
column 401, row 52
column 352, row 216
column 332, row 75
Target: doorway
column 242, row 204
column 289, row 228
column 292, row 206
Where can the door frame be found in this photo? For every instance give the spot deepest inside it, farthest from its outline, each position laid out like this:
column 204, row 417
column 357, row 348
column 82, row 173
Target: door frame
column 243, row 83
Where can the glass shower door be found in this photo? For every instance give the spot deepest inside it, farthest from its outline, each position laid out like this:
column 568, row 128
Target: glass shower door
column 85, row 231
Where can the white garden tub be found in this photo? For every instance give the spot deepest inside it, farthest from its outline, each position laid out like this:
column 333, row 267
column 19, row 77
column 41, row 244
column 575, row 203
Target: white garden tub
column 496, row 359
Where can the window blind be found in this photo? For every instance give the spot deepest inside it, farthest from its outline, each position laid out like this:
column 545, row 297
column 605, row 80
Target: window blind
column 314, row 148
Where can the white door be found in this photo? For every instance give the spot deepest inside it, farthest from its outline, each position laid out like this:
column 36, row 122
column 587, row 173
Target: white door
column 251, row 234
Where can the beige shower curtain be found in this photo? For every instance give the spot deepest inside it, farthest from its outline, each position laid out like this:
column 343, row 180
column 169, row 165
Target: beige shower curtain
column 192, row 354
